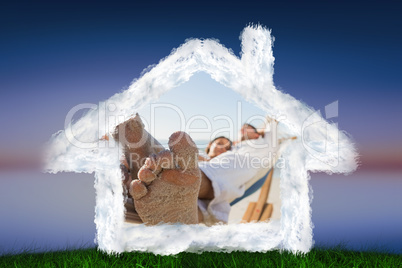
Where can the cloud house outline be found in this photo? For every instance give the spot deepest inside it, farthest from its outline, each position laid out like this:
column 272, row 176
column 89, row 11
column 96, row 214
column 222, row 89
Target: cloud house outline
column 320, row 147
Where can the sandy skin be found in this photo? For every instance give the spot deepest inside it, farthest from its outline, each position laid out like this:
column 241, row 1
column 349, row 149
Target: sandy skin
column 144, row 157
column 165, row 184
column 138, row 144
column 168, row 184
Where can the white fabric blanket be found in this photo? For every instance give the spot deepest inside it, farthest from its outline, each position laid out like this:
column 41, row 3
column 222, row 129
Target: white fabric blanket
column 230, row 171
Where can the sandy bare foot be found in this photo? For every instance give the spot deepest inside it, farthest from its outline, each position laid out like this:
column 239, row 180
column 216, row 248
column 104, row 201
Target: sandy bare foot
column 138, row 144
column 168, row 185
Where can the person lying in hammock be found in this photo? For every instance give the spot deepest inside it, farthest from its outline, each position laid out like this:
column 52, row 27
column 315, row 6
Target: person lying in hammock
column 173, row 186
column 215, row 147
column 222, row 144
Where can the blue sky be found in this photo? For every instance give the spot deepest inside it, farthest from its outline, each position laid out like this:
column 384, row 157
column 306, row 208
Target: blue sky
column 203, row 108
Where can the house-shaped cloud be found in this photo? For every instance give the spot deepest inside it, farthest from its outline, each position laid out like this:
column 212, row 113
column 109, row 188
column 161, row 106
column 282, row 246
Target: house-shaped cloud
column 320, row 147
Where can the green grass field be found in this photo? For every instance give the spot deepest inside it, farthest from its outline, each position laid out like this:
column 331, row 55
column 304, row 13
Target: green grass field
column 318, row 257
